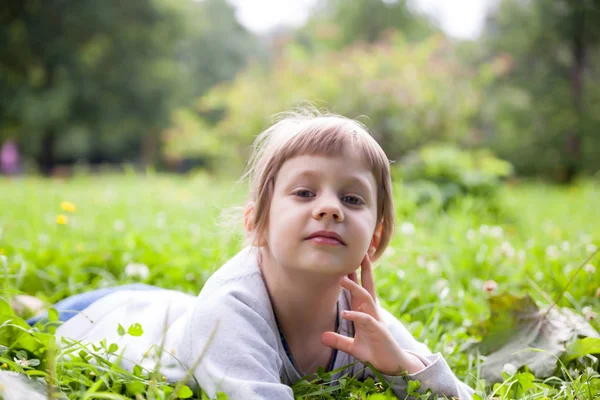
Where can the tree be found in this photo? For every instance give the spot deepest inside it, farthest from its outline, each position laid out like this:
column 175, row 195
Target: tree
column 84, row 65
column 335, row 24
column 100, row 80
column 544, row 111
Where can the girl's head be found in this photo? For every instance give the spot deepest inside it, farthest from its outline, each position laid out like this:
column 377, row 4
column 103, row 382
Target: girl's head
column 314, row 172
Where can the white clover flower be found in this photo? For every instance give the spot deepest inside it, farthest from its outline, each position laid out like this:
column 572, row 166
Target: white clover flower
column 400, row 274
column 441, row 284
column 389, row 252
column 585, row 238
column 119, row 225
column 507, row 250
column 539, row 276
column 490, row 286
column 22, row 362
column 407, row 229
column 470, row 235
column 161, row 220
column 591, row 248
column 194, row 230
column 588, row 313
column 480, row 257
column 444, row 293
column 421, row 260
column 552, row 252
column 521, row 255
column 589, row 268
column 484, row 230
column 510, row 369
column 432, row 266
column 137, row 270
column 565, row 246
column 496, row 232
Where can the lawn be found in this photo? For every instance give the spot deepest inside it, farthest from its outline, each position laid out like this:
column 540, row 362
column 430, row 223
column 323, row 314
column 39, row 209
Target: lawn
column 61, row 237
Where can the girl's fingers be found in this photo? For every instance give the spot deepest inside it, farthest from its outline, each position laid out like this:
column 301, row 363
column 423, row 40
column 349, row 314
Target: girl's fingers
column 359, row 294
column 337, row 341
column 353, row 276
column 359, row 318
column 366, row 276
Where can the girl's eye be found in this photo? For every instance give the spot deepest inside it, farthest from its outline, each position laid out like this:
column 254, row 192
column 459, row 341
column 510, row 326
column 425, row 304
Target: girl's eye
column 355, row 201
column 304, row 193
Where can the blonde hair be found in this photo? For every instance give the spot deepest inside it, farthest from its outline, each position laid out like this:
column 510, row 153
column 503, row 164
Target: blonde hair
column 309, row 132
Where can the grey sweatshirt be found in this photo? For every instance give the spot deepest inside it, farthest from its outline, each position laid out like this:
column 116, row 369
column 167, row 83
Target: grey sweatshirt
column 227, row 338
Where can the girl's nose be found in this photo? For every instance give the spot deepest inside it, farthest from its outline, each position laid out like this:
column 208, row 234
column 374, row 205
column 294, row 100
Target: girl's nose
column 329, row 208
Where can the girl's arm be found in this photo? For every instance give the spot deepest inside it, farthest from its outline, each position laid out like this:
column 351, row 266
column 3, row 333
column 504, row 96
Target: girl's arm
column 436, row 375
column 231, row 348
column 383, row 341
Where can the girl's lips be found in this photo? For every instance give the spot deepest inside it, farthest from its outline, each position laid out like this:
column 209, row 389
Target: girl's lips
column 325, row 241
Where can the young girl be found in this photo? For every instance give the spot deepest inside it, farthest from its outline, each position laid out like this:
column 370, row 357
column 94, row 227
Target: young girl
column 320, row 208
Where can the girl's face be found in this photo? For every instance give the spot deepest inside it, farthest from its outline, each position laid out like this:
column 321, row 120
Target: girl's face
column 323, row 214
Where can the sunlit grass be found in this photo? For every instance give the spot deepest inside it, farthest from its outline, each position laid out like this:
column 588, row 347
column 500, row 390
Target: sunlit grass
column 66, row 237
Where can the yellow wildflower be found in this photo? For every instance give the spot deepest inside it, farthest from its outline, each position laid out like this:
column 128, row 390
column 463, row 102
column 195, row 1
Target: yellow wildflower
column 62, row 219
column 4, row 365
column 68, row 206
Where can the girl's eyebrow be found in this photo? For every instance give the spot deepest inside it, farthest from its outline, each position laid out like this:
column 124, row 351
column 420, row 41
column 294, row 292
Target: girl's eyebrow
column 352, row 180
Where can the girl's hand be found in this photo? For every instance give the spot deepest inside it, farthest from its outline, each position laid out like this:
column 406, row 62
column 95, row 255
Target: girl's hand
column 372, row 340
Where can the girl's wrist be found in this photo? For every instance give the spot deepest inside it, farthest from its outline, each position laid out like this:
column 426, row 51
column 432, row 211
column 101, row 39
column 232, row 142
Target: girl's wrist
column 409, row 364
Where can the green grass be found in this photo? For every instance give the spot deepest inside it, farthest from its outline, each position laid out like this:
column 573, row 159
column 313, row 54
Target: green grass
column 432, row 278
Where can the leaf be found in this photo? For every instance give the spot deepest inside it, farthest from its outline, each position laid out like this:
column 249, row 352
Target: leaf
column 135, row 330
column 184, row 392
column 5, row 308
column 137, row 371
column 52, row 315
column 121, row 330
column 582, row 347
column 519, row 333
column 113, row 347
column 135, row 387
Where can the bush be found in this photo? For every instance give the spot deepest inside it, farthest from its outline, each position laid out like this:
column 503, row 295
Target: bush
column 443, row 173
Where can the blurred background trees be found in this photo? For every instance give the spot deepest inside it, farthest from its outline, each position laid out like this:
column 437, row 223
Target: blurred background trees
column 181, row 83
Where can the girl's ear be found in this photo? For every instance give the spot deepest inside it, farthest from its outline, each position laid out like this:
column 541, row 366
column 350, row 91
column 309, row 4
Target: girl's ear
column 249, row 218
column 376, row 239
column 250, row 232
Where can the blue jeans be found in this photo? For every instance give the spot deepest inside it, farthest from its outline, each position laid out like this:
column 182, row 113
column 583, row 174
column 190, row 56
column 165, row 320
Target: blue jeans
column 69, row 307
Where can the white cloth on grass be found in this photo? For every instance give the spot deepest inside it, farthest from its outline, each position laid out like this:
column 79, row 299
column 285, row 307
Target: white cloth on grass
column 228, row 339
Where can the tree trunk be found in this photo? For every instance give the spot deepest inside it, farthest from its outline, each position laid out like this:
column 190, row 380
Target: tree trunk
column 150, row 148
column 578, row 51
column 47, row 159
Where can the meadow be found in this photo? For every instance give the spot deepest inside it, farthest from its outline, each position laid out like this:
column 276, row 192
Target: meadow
column 62, row 237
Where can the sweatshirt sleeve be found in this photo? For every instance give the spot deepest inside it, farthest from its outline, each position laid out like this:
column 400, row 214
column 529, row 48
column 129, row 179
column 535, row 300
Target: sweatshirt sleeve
column 436, row 375
column 231, row 348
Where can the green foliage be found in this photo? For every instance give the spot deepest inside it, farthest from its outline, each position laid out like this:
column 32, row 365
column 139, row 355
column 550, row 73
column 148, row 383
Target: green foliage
column 394, row 83
column 541, row 112
column 443, row 173
column 335, row 24
column 107, row 77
